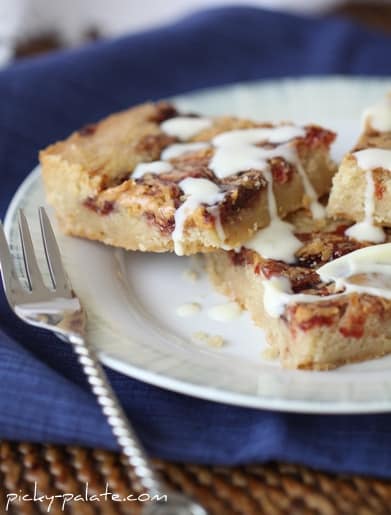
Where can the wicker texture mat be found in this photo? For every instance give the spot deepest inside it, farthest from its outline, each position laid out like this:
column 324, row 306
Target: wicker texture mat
column 270, row 489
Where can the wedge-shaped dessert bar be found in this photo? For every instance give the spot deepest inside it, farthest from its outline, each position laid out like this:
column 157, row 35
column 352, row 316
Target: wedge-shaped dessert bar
column 362, row 186
column 154, row 179
column 331, row 306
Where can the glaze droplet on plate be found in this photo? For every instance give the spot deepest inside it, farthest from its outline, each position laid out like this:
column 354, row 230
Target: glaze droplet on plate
column 188, row 309
column 225, row 312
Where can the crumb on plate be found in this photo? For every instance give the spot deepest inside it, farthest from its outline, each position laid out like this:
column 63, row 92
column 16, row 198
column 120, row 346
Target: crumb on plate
column 210, row 339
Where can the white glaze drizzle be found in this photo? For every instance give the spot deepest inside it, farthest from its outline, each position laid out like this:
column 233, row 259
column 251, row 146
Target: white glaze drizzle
column 278, row 295
column 378, row 116
column 372, row 158
column 152, row 167
column 317, row 210
column 198, row 192
column 215, row 212
column 179, row 149
column 366, row 230
column 276, row 241
column 185, row 127
column 225, row 312
column 236, row 151
column 364, row 271
column 375, row 259
column 368, row 160
column 252, row 136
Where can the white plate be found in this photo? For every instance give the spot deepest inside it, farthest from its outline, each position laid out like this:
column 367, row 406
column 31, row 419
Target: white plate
column 131, row 297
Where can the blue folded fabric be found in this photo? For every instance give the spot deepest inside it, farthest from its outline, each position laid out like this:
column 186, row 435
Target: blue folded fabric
column 43, row 395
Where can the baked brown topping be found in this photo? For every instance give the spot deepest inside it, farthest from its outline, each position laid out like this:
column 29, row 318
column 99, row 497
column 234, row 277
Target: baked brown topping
column 348, row 313
column 241, row 190
column 165, row 225
column 354, row 327
column 373, row 139
column 357, row 312
column 380, row 187
column 194, row 164
column 165, row 194
column 103, row 209
column 318, row 136
column 318, row 248
column 242, row 257
column 88, row 130
column 163, row 111
column 153, row 145
column 216, row 200
column 300, row 317
column 236, row 199
column 302, row 280
column 281, row 171
column 324, row 247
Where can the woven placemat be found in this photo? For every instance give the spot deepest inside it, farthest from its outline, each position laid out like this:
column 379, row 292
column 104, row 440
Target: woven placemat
column 258, row 489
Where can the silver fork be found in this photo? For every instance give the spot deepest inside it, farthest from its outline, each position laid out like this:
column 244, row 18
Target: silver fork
column 59, row 310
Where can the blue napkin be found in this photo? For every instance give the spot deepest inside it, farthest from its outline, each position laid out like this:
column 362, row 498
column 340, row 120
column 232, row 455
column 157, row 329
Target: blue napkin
column 43, row 395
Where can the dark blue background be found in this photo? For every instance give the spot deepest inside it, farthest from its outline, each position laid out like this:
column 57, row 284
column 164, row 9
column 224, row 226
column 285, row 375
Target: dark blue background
column 43, row 396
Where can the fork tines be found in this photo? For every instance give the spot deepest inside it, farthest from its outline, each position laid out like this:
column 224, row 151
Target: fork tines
column 11, row 282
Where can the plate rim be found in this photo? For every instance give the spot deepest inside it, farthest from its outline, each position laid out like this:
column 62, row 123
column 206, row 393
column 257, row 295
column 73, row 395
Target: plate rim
column 212, row 393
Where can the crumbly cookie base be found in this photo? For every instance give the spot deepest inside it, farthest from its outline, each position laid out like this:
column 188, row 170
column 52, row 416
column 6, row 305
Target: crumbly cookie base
column 319, row 348
column 347, row 197
column 86, row 181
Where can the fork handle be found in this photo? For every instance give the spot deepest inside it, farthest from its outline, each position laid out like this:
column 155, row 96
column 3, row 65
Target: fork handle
column 116, row 417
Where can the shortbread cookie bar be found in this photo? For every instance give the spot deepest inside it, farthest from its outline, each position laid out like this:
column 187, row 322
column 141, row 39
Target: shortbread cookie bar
column 153, row 179
column 362, row 187
column 315, row 318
